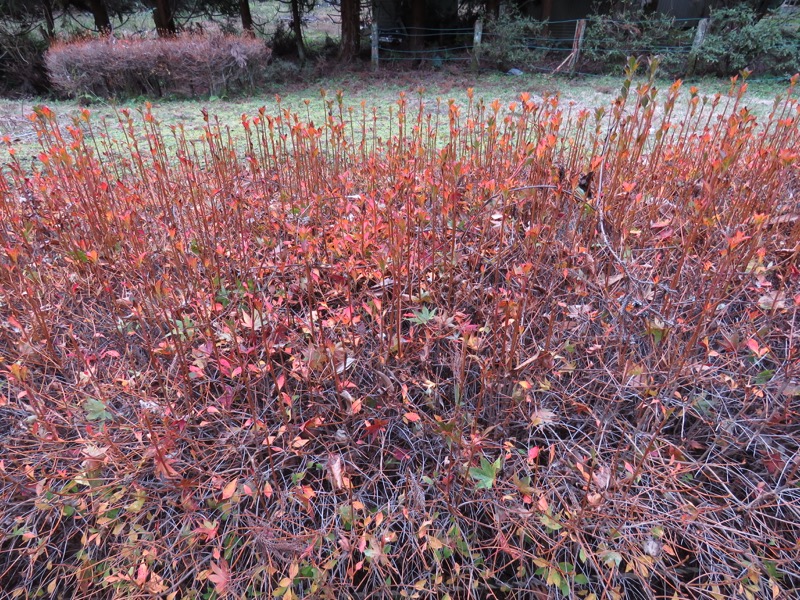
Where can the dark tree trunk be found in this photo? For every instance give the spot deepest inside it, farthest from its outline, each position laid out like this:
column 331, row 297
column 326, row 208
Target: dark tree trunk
column 547, row 10
column 49, row 20
column 764, row 6
column 351, row 28
column 417, row 24
column 164, row 19
column 492, row 9
column 100, row 14
column 246, row 16
column 297, row 28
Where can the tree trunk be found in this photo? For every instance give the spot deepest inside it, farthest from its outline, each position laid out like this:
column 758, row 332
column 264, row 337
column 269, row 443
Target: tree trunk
column 164, row 19
column 492, row 9
column 351, row 28
column 417, row 24
column 246, row 16
column 297, row 28
column 100, row 14
column 547, row 10
column 49, row 20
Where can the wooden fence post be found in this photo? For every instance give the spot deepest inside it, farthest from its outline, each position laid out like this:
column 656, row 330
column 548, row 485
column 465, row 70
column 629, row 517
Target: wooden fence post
column 577, row 44
column 476, row 44
column 374, row 39
column 699, row 38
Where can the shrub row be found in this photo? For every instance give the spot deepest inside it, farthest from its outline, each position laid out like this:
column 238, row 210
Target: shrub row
column 186, row 65
column 739, row 40
column 736, row 39
column 610, row 40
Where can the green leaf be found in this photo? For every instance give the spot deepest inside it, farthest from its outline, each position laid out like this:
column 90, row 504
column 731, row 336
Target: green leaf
column 422, row 316
column 346, row 514
column 523, row 485
column 554, row 578
column 96, row 410
column 223, row 296
column 657, row 532
column 764, row 377
column 308, row 571
column 550, row 522
column 611, row 558
column 487, row 473
column 771, row 567
column 462, row 547
column 566, row 568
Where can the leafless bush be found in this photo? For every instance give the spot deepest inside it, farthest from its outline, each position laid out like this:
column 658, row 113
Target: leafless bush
column 21, row 63
column 187, row 65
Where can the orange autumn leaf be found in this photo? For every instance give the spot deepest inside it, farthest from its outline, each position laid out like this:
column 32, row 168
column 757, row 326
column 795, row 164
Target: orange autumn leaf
column 230, row 489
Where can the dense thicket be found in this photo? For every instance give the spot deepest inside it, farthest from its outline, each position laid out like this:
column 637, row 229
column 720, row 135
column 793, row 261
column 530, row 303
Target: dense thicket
column 520, row 351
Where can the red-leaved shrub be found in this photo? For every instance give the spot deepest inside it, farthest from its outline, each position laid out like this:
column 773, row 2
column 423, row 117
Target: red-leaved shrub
column 186, row 65
column 530, row 351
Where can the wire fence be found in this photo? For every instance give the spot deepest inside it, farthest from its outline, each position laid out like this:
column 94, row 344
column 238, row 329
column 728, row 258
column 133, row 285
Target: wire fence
column 458, row 43
column 545, row 49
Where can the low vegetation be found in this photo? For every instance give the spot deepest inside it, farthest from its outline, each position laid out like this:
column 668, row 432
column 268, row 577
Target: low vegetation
column 523, row 350
column 179, row 66
column 737, row 38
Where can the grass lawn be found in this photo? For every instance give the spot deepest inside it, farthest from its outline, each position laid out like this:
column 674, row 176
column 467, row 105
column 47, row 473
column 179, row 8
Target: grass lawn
column 375, row 91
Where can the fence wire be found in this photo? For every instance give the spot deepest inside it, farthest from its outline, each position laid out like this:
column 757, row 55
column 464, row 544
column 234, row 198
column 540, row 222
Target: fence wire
column 394, row 45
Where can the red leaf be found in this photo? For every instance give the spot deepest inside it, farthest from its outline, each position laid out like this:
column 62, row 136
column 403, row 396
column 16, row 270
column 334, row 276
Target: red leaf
column 220, row 577
column 400, row 454
column 141, row 574
column 774, row 462
column 375, row 427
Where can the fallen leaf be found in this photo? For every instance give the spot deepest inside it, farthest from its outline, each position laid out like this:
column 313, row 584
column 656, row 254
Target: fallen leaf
column 336, row 470
column 773, row 300
column 606, row 280
column 594, row 498
column 791, row 389
column 773, row 462
column 601, row 477
column 652, row 547
column 299, row 442
column 542, row 417
column 230, row 489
